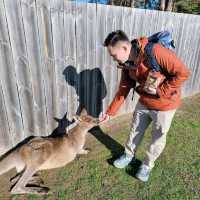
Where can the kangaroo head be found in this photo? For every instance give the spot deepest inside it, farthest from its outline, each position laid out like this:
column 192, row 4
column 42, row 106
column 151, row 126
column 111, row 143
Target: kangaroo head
column 86, row 120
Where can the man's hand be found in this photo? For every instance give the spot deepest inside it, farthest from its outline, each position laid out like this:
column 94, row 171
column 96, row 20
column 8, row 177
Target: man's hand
column 141, row 90
column 151, row 91
column 103, row 118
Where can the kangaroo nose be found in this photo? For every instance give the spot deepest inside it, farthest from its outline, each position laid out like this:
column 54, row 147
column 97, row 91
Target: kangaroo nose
column 97, row 121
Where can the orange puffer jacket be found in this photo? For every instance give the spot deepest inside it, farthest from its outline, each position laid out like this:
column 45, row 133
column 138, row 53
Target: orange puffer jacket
column 169, row 91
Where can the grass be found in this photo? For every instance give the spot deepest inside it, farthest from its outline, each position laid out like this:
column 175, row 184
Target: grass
column 176, row 175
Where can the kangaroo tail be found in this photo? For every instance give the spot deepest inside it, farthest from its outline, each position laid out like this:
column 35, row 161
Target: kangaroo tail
column 7, row 162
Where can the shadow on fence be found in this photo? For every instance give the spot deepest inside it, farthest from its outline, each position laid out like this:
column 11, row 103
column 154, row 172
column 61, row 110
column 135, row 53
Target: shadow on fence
column 90, row 88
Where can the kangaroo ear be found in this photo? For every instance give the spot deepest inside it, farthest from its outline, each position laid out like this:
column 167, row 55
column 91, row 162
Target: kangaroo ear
column 83, row 112
column 57, row 119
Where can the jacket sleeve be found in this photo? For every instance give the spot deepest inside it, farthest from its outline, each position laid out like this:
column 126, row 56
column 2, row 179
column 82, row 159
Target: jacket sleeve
column 174, row 67
column 124, row 87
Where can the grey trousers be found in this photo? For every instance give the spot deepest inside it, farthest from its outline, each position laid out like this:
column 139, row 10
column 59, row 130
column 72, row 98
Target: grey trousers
column 142, row 117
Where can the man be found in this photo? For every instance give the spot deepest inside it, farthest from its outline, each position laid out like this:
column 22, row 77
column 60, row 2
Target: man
column 157, row 102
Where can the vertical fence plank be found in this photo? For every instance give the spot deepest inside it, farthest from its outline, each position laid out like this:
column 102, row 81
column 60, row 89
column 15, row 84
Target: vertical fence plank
column 106, row 24
column 47, row 54
column 59, row 37
column 70, row 72
column 82, row 69
column 100, row 49
column 21, row 63
column 4, row 126
column 113, row 22
column 91, row 35
column 9, row 83
column 29, row 15
column 97, row 86
column 193, row 50
column 127, row 26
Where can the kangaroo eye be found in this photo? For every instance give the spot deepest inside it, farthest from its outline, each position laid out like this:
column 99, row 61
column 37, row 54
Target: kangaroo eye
column 86, row 119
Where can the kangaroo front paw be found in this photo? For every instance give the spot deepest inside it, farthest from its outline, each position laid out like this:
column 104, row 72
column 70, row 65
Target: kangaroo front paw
column 84, row 151
column 35, row 180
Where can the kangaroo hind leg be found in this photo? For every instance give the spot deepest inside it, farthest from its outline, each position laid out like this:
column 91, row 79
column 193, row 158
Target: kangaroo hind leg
column 34, row 180
column 20, row 186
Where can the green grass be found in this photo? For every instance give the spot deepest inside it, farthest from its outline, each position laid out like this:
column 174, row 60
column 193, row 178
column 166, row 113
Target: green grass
column 176, row 175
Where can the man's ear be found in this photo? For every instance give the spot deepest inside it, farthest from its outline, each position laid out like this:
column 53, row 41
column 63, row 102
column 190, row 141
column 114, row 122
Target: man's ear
column 125, row 47
column 83, row 112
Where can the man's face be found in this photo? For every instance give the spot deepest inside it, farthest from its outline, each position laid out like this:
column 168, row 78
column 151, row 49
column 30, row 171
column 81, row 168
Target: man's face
column 120, row 52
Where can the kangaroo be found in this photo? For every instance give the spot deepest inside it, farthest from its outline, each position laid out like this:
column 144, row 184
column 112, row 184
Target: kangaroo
column 42, row 153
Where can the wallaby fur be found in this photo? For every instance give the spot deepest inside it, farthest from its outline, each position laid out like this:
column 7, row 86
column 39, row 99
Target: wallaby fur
column 41, row 153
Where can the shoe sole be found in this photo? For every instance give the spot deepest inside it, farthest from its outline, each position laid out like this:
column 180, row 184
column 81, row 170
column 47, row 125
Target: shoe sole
column 141, row 179
column 119, row 167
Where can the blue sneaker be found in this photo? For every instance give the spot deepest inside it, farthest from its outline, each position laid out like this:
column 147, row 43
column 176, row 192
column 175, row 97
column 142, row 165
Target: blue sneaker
column 123, row 161
column 143, row 173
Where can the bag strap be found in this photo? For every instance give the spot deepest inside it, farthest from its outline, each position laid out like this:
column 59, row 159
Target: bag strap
column 154, row 64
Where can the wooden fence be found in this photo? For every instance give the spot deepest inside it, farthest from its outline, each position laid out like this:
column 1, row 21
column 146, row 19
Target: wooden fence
column 52, row 60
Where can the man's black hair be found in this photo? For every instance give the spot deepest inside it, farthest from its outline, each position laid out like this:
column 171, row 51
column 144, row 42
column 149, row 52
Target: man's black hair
column 115, row 37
